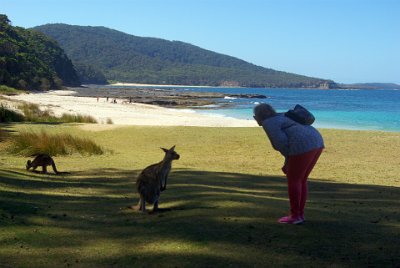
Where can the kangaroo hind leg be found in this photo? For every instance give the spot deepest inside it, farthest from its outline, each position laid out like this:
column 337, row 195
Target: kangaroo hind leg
column 155, row 206
column 142, row 204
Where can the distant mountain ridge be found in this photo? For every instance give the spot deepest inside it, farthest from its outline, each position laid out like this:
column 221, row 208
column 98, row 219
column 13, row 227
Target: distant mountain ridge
column 371, row 86
column 128, row 58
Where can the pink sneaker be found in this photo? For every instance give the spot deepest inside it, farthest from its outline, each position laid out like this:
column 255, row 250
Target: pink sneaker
column 291, row 220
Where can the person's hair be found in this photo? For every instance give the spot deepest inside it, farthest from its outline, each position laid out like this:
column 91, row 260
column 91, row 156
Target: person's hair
column 264, row 111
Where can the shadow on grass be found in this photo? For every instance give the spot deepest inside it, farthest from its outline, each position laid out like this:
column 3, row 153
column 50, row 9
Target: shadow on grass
column 211, row 219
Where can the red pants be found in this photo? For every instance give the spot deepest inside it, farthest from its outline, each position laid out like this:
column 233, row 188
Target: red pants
column 298, row 168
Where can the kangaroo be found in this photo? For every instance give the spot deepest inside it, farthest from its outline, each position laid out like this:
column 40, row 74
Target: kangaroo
column 42, row 160
column 153, row 180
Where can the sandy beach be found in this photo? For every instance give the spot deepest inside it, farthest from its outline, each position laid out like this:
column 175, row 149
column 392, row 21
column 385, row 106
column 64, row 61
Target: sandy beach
column 124, row 113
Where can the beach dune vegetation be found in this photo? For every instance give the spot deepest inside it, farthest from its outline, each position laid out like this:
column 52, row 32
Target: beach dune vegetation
column 33, row 113
column 77, row 118
column 5, row 90
column 8, row 115
column 30, row 143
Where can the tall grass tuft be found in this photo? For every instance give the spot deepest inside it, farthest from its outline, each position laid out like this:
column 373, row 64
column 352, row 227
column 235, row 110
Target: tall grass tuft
column 29, row 143
column 7, row 115
column 33, row 113
column 70, row 118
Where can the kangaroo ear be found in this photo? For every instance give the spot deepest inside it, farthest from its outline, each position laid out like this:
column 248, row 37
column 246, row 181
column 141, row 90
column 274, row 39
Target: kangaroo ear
column 172, row 148
column 165, row 150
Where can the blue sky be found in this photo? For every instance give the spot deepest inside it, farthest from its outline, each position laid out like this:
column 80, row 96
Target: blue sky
column 347, row 41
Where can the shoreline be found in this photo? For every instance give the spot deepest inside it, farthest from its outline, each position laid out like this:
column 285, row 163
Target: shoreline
column 125, row 113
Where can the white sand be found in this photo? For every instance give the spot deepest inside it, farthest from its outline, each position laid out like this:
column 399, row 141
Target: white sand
column 64, row 101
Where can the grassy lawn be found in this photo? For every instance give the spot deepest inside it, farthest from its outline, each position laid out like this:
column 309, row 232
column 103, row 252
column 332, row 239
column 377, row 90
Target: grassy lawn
column 225, row 195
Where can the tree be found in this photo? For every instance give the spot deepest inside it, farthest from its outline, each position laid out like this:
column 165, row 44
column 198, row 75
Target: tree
column 31, row 60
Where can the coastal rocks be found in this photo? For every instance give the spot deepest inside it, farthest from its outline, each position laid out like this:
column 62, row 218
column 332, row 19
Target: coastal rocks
column 247, row 96
column 178, row 103
column 174, row 98
column 162, row 102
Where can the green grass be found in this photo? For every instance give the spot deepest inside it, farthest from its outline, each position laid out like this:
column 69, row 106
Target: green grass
column 225, row 194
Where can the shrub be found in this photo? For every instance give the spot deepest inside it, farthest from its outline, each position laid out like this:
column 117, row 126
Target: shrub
column 109, row 121
column 29, row 143
column 7, row 115
column 9, row 90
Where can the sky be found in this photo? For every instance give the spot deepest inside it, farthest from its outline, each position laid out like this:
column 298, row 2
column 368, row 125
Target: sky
column 348, row 41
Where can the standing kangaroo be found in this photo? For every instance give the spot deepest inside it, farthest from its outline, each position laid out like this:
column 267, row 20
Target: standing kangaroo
column 153, row 180
column 42, row 160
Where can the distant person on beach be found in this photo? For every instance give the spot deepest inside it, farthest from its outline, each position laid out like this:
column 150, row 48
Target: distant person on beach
column 301, row 145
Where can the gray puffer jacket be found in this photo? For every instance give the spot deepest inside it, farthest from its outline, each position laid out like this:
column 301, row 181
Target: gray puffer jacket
column 291, row 138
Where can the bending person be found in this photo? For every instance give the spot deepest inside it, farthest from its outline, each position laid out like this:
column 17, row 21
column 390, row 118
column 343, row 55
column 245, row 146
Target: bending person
column 301, row 145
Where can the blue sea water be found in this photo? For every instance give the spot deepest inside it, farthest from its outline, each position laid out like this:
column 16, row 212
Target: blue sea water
column 343, row 109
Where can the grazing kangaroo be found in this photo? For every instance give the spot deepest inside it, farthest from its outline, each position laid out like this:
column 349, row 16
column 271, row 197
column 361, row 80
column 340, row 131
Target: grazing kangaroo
column 153, row 180
column 42, row 160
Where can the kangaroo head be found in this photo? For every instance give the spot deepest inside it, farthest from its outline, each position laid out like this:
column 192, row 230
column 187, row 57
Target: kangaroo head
column 170, row 154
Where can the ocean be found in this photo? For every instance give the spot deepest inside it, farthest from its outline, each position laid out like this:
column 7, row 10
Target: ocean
column 355, row 109
column 343, row 109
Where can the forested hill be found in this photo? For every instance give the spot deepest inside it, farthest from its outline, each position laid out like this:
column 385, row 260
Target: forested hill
column 31, row 60
column 127, row 58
